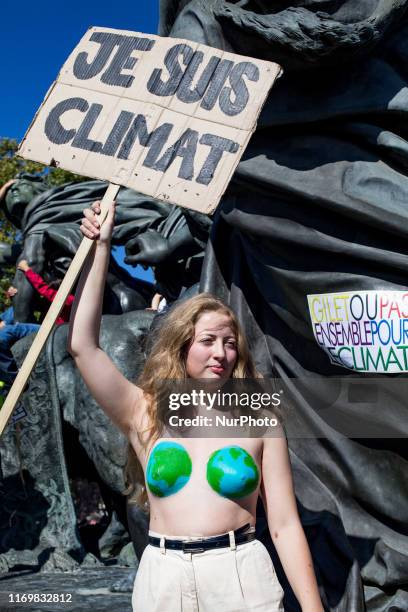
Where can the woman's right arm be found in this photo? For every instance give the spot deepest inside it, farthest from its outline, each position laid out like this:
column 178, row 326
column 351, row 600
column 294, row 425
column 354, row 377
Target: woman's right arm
column 119, row 398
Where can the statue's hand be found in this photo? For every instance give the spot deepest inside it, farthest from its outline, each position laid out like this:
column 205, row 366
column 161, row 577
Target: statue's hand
column 5, row 187
column 90, row 226
column 150, row 248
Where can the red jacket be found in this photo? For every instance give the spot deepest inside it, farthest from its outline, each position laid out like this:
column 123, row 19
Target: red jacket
column 49, row 293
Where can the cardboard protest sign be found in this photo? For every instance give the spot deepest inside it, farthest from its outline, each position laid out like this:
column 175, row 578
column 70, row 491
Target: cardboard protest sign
column 167, row 117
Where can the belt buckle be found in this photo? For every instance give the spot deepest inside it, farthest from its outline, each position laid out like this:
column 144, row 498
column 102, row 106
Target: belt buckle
column 192, row 549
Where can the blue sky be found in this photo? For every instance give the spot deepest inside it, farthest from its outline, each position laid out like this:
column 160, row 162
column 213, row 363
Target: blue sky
column 36, row 39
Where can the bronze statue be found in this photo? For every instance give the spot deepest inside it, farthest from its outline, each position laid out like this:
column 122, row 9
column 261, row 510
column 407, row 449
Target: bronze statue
column 318, row 205
column 49, row 221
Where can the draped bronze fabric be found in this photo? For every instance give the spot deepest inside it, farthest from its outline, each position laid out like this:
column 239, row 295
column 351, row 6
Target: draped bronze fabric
column 319, row 204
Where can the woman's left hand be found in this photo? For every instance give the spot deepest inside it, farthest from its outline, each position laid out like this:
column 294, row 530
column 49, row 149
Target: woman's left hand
column 90, row 226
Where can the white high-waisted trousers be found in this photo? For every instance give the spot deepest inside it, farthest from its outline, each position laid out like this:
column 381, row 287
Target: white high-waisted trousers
column 234, row 579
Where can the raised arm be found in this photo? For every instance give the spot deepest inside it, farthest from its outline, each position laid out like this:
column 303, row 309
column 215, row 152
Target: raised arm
column 120, row 399
column 284, row 524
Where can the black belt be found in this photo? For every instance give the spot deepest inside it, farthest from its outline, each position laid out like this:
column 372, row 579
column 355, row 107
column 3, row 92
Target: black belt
column 203, row 544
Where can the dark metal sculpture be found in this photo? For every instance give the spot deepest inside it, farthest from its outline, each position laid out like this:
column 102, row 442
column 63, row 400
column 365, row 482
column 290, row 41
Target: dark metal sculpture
column 49, row 221
column 9, row 253
column 41, row 451
column 318, row 204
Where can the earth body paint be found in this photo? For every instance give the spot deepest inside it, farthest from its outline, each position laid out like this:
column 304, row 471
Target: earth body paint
column 232, row 472
column 168, row 469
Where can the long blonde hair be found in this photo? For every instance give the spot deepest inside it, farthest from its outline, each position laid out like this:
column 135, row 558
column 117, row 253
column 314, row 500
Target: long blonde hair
column 167, row 360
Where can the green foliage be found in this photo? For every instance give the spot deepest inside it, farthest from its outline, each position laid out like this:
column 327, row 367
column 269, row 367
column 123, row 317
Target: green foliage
column 58, row 176
column 10, row 166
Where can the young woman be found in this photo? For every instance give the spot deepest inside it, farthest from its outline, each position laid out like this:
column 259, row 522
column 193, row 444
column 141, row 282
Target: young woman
column 202, row 493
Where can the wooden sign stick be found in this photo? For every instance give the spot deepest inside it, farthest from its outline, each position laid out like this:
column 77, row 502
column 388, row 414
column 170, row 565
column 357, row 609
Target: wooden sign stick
column 52, row 314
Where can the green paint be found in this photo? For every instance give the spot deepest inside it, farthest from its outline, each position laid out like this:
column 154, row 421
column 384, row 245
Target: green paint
column 168, row 469
column 232, row 472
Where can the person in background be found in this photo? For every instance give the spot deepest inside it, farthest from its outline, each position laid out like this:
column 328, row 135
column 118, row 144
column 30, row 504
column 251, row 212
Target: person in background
column 158, row 304
column 8, row 315
column 8, row 367
column 9, row 334
column 45, row 290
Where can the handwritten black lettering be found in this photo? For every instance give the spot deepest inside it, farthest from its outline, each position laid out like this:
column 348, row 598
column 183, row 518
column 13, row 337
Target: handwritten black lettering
column 238, row 87
column 217, row 83
column 219, row 145
column 117, row 133
column 184, row 147
column 156, row 85
column 185, row 92
column 127, row 129
column 154, row 140
column 81, row 140
column 122, row 60
column 53, row 128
